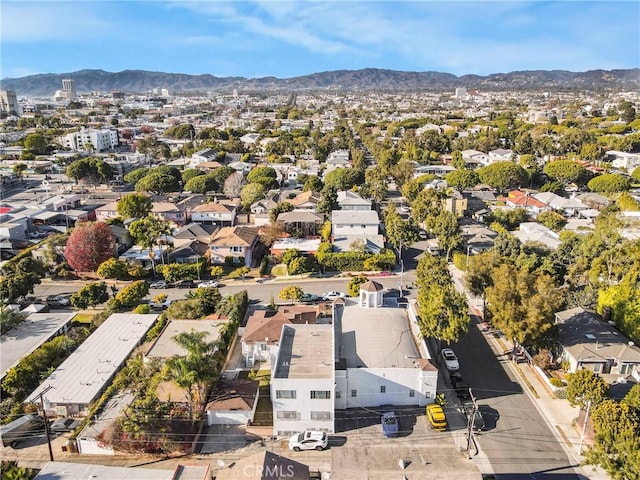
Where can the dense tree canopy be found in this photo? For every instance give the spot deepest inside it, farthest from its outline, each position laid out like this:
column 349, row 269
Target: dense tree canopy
column 609, row 182
column 566, row 172
column 462, row 179
column 201, row 184
column 157, row 183
column 89, row 245
column 134, row 205
column 503, row 175
column 90, row 170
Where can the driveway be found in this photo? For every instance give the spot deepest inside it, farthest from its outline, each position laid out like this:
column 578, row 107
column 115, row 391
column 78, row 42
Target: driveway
column 223, row 438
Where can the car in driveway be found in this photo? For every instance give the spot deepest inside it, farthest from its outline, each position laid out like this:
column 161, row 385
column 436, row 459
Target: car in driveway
column 184, row 284
column 64, row 425
column 308, row 440
column 450, row 360
column 207, row 284
column 333, row 295
column 159, row 284
column 478, row 421
column 161, row 305
column 390, row 424
column 436, row 417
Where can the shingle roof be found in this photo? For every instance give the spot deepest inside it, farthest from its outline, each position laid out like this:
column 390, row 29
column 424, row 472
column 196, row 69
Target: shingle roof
column 235, row 236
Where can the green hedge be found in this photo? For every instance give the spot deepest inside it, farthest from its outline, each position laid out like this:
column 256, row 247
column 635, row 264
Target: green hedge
column 460, row 261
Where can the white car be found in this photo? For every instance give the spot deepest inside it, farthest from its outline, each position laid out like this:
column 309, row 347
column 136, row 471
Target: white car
column 333, row 295
column 161, row 305
column 450, row 360
column 208, row 283
column 308, row 440
column 159, row 284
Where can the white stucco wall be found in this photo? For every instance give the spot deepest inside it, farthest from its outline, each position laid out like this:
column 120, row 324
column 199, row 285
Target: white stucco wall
column 398, row 383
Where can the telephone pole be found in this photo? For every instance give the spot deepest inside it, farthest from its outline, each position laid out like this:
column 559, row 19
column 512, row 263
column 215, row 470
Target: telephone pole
column 470, row 421
column 46, row 422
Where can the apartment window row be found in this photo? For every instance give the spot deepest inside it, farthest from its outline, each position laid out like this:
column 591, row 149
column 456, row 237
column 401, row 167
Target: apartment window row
column 285, row 394
column 320, row 394
column 288, row 415
column 383, row 389
column 320, row 415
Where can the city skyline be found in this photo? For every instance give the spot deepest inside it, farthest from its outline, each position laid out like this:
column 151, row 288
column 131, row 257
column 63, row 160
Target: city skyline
column 287, row 39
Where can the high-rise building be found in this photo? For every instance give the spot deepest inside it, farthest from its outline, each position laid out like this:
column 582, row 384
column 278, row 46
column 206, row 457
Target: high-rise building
column 9, row 102
column 69, row 88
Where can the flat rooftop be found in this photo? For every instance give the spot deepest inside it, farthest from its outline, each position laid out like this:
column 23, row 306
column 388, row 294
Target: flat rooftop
column 81, row 377
column 306, row 351
column 166, row 347
column 24, row 338
column 376, row 338
column 79, row 471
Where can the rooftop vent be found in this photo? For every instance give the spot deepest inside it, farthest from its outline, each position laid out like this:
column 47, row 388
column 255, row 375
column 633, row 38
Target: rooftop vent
column 590, row 336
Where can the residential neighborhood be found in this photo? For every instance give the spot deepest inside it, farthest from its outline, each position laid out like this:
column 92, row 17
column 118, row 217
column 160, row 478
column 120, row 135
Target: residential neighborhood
column 225, row 281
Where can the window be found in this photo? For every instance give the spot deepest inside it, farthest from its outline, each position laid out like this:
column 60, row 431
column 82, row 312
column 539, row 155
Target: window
column 427, row 394
column 285, row 394
column 383, row 389
column 338, row 395
column 235, row 249
column 287, row 415
column 363, row 226
column 320, row 415
column 264, row 347
column 354, row 393
column 626, row 368
column 320, row 394
column 412, row 393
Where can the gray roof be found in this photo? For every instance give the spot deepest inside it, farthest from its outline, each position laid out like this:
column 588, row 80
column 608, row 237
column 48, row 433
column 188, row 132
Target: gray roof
column 377, row 338
column 589, row 338
column 372, row 243
column 24, row 338
column 306, row 351
column 299, row 216
column 367, row 217
column 83, row 375
column 84, row 471
column 347, row 197
column 166, row 347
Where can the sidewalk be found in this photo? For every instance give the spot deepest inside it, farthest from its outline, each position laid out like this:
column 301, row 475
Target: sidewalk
column 559, row 415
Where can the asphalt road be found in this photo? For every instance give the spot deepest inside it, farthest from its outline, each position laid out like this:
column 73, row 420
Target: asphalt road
column 518, row 442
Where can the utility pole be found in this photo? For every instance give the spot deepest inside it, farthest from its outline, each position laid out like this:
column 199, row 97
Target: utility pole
column 584, row 427
column 46, row 422
column 472, row 416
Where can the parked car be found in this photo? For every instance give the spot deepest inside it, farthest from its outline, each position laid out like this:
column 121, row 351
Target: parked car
column 308, row 440
column 161, row 305
column 64, row 425
column 390, row 424
column 184, row 284
column 450, row 360
column 463, row 390
column 333, row 295
column 207, row 284
column 478, row 420
column 159, row 284
column 309, row 298
column 436, row 417
column 57, row 301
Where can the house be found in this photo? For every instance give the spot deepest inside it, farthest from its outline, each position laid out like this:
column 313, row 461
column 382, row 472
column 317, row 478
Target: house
column 261, row 335
column 437, row 170
column 263, row 206
column 354, row 222
column 301, row 223
column 264, row 466
column 339, row 159
column 588, row 342
column 107, row 211
column 75, row 471
column 306, row 246
column 565, row 206
column 475, row 158
column 205, row 155
column 233, row 402
column 520, row 199
column 348, row 200
column 501, row 155
column 193, row 231
column 456, row 204
column 593, row 200
column 625, row 160
column 123, row 239
column 305, row 201
column 169, row 212
column 242, row 167
column 237, row 242
column 220, row 213
column 192, row 252
column 535, row 232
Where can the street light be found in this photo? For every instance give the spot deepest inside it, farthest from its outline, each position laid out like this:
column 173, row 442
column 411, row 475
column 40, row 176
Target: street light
column 466, row 267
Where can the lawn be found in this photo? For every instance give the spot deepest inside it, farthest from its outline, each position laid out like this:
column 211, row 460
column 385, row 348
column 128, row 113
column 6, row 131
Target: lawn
column 83, row 317
column 264, row 410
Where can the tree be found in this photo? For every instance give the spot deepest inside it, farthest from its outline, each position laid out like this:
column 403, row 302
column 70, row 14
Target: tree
column 552, row 220
column 590, row 152
column 36, row 143
column 147, row 230
column 251, row 193
column 134, row 205
column 456, row 160
column 19, row 169
column 239, row 272
column 585, row 386
column 131, row 295
column 353, row 287
column 261, row 172
column 216, row 271
column 135, row 175
column 462, row 179
column 376, row 181
column 446, row 229
column 609, row 182
column 233, row 185
column 478, row 272
column 157, row 183
column 623, row 300
column 89, row 244
column 281, row 207
column 503, row 175
column 427, row 204
column 201, row 184
column 399, row 231
column 635, row 175
column 220, row 174
column 291, row 293
column 113, row 268
column 566, row 172
column 312, row 183
column 443, row 312
column 90, row 170
column 90, row 295
column 190, row 173
column 329, row 200
column 522, row 304
column 343, row 178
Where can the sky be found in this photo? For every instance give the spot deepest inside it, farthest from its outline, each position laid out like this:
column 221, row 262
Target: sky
column 285, row 38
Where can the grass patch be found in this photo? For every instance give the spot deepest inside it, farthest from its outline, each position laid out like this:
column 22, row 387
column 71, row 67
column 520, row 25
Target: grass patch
column 83, row 318
column 279, row 270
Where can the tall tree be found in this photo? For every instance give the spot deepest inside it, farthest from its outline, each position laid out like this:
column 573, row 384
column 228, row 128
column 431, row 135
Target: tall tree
column 399, row 232
column 134, row 205
column 90, row 295
column 503, row 175
column 36, row 143
column 566, row 172
column 251, row 193
column 462, row 179
column 89, row 245
column 90, row 170
column 158, row 183
column 447, row 230
column 584, row 386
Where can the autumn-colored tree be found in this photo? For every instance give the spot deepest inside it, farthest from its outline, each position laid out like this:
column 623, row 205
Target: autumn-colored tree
column 90, row 244
column 291, row 293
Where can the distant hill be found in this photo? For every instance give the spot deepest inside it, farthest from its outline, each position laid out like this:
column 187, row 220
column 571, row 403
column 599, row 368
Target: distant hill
column 368, row 79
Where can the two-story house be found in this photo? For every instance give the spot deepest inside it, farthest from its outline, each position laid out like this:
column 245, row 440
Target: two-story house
column 237, row 242
column 348, row 200
column 301, row 223
column 349, row 226
column 221, row 213
column 169, row 212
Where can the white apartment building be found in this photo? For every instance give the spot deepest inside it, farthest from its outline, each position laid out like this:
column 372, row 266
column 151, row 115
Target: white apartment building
column 626, row 160
column 9, row 102
column 85, row 139
column 302, row 382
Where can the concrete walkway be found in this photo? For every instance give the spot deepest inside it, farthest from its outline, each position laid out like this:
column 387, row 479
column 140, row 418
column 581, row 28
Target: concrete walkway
column 559, row 415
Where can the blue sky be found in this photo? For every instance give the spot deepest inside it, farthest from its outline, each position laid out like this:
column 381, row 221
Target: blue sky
column 290, row 38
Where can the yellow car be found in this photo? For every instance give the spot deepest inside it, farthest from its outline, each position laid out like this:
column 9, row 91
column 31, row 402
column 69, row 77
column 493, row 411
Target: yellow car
column 436, row 417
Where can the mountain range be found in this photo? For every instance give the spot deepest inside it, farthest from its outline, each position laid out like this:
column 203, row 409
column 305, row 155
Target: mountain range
column 369, row 79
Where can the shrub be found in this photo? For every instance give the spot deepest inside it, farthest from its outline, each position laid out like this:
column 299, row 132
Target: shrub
column 556, row 382
column 353, row 288
column 264, row 265
column 142, row 309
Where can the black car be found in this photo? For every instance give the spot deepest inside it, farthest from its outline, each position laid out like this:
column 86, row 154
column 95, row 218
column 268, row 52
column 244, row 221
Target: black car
column 310, row 298
column 64, row 425
column 184, row 284
column 463, row 390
